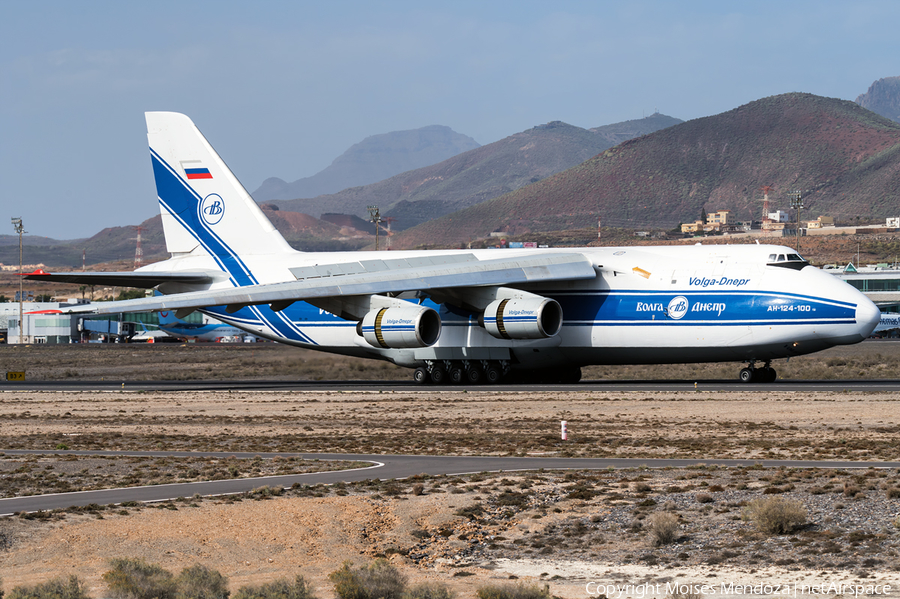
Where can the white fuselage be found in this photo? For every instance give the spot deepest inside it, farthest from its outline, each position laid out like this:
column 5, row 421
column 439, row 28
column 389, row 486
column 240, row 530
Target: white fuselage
column 662, row 304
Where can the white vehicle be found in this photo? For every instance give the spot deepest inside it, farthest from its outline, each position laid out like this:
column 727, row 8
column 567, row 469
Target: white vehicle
column 476, row 316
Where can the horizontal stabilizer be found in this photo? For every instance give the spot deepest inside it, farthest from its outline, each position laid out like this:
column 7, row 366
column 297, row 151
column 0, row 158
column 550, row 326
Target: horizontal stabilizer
column 144, row 280
column 453, row 274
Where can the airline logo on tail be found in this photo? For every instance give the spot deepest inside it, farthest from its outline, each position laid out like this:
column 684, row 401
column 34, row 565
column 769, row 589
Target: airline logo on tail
column 212, row 209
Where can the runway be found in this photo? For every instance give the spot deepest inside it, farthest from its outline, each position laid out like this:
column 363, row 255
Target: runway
column 718, row 385
column 383, row 467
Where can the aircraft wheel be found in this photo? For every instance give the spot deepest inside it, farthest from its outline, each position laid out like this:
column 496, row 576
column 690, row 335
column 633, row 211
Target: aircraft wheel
column 420, row 375
column 746, row 375
column 570, row 376
column 473, row 375
column 770, row 375
column 457, row 375
column 492, row 375
column 438, row 376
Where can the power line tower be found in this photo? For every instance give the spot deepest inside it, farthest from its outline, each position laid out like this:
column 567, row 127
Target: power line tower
column 375, row 217
column 766, row 189
column 388, row 232
column 138, row 250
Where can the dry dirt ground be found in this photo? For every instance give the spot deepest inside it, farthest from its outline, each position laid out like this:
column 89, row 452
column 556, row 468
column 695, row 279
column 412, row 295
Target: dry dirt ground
column 876, row 358
column 565, row 529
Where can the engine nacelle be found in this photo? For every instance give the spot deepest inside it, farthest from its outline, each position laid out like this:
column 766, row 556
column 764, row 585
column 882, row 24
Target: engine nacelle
column 401, row 327
column 532, row 318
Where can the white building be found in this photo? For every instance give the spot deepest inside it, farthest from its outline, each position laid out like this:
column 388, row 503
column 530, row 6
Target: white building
column 38, row 328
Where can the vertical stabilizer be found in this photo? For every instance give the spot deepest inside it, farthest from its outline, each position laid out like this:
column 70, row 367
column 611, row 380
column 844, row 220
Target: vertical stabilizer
column 202, row 203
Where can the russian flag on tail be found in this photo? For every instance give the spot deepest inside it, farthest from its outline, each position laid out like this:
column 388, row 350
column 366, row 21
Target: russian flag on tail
column 194, row 169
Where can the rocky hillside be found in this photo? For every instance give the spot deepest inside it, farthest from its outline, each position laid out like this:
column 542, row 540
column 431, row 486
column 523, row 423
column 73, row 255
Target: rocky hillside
column 478, row 175
column 373, row 159
column 845, row 158
column 883, row 98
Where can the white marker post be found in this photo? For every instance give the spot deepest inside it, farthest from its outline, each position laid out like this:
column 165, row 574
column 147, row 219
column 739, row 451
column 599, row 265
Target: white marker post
column 565, row 433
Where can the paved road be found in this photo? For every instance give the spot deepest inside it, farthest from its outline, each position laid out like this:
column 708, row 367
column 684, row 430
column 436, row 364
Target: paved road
column 383, row 467
column 856, row 385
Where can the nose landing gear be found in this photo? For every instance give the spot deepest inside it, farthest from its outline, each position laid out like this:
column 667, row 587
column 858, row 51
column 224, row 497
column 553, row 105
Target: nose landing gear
column 752, row 374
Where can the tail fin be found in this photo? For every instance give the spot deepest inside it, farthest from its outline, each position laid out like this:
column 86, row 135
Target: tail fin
column 201, row 201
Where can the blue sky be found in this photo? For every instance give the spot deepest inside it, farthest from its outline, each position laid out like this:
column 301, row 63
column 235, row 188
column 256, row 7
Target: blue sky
column 283, row 88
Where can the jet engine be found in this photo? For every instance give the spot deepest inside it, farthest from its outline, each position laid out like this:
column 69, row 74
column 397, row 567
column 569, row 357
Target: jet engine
column 531, row 318
column 400, row 327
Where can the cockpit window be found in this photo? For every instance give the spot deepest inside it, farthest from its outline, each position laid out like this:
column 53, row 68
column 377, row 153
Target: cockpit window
column 792, row 261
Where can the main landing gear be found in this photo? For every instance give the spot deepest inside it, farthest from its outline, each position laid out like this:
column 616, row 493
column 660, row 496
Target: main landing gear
column 489, row 372
column 752, row 374
column 457, row 372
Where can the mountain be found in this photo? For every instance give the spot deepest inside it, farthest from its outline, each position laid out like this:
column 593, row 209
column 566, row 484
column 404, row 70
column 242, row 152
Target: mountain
column 477, row 175
column 373, row 159
column 302, row 231
column 620, row 132
column 883, row 98
column 112, row 243
column 844, row 157
column 308, row 234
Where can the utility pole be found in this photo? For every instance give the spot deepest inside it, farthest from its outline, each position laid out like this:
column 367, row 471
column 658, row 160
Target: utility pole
column 797, row 204
column 375, row 215
column 20, row 228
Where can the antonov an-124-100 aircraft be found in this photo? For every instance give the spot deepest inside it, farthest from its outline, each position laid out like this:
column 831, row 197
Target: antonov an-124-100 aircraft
column 475, row 315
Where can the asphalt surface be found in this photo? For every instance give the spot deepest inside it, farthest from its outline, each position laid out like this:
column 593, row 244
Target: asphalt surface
column 383, row 467
column 855, row 385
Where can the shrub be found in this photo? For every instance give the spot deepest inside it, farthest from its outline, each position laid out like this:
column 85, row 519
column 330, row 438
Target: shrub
column 378, row 580
column 704, row 498
column 513, row 591
column 775, row 515
column 663, row 528
column 418, row 489
column 850, row 489
column 279, row 589
column 429, row 590
column 57, row 588
column 199, row 582
column 132, row 578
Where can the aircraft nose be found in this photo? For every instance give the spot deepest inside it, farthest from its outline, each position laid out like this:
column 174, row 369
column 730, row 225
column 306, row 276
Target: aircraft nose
column 868, row 315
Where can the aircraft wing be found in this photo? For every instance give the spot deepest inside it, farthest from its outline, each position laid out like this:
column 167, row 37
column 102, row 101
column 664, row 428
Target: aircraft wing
column 369, row 277
column 144, row 280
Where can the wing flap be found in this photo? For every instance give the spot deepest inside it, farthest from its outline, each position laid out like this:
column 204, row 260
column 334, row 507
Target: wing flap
column 447, row 274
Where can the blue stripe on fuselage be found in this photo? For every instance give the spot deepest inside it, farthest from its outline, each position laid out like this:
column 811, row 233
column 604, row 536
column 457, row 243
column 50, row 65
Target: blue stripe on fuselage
column 726, row 307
